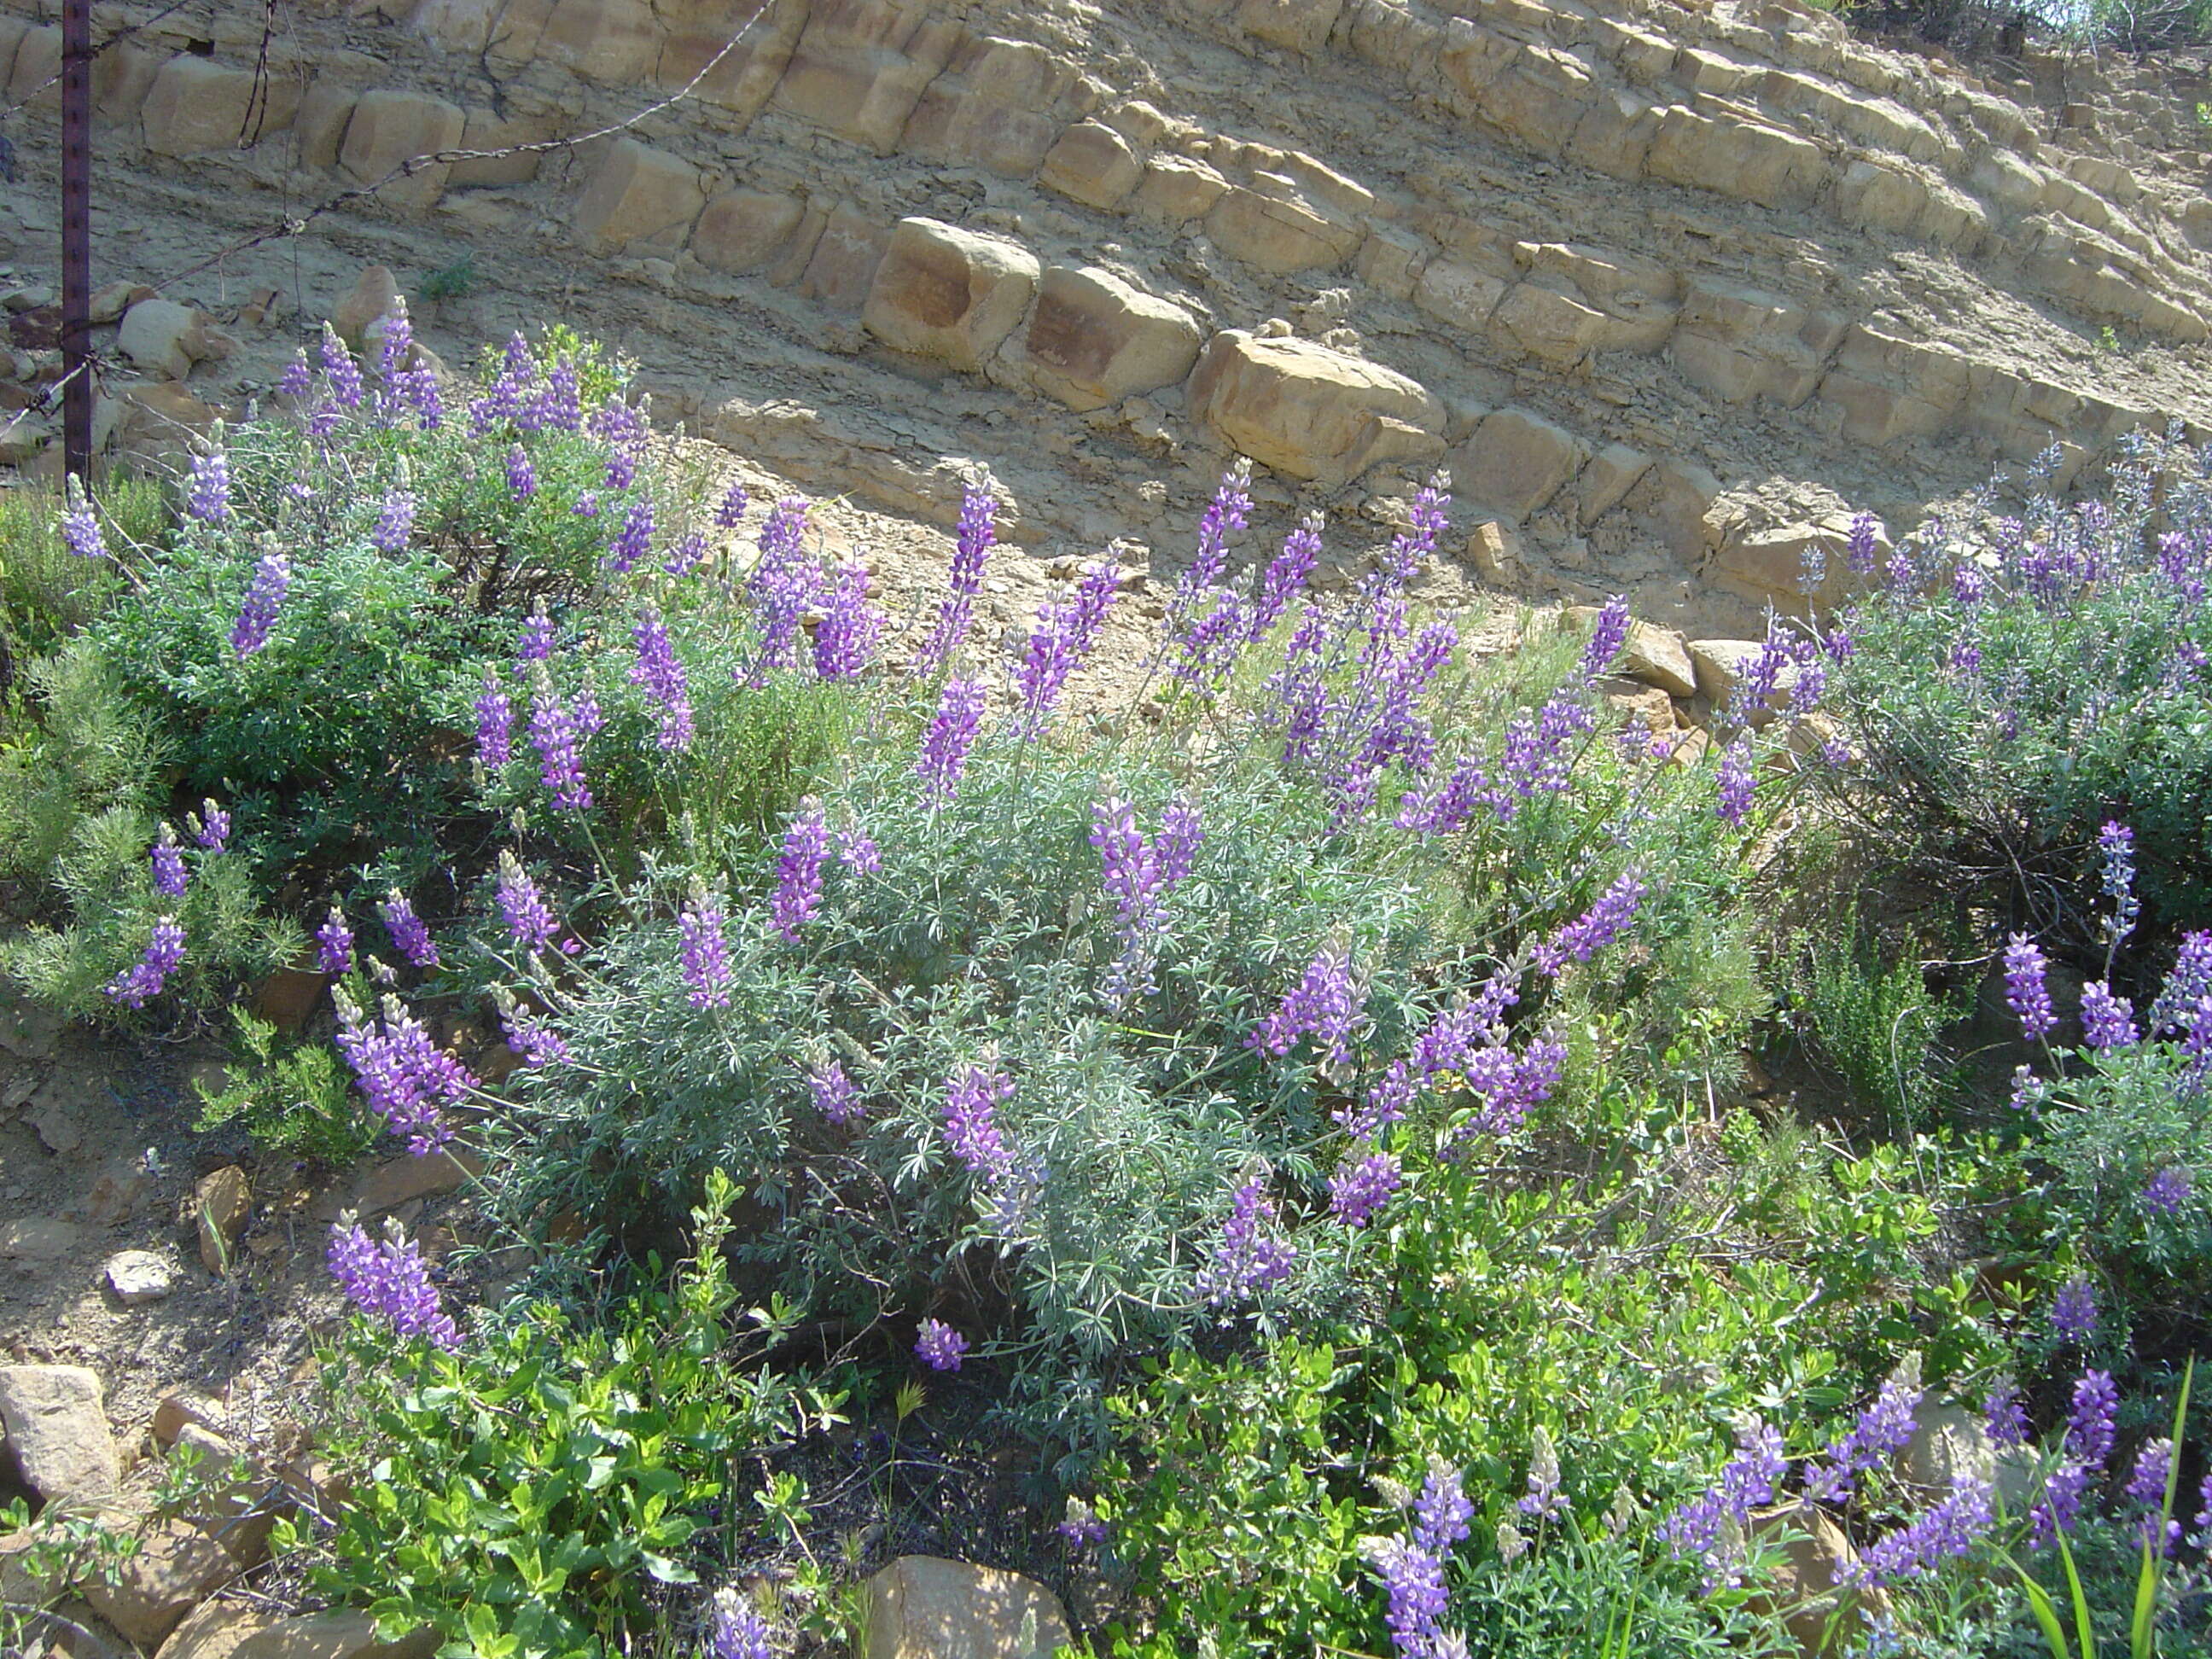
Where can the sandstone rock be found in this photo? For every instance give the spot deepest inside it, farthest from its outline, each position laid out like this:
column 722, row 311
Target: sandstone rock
column 176, row 1567
column 1092, row 164
column 1294, row 25
column 841, row 270
column 948, row 293
column 288, row 996
column 183, row 1408
column 1310, row 412
column 1646, row 706
column 1459, row 295
column 1734, row 157
column 214, row 1630
column 221, row 1203
column 1281, row 233
column 1491, row 551
column 197, row 105
column 159, row 416
column 1949, row 1444
column 1605, row 478
column 318, row 131
column 39, row 1238
column 1808, row 1588
column 486, row 130
column 56, row 1427
column 860, row 67
column 613, row 42
column 1514, row 463
column 1721, row 664
column 731, row 86
column 639, row 194
column 744, row 229
column 400, row 1181
column 374, row 292
column 1093, row 339
column 110, row 300
column 1658, row 657
column 345, row 1635
column 138, row 1276
column 164, row 337
column 1176, row 188
column 921, row 1607
column 1770, row 564
column 121, row 78
column 998, row 106
column 1545, row 324
column 391, row 128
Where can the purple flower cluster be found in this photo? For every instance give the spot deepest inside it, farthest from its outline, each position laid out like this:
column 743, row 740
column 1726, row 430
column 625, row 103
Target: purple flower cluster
column 952, row 732
column 141, row 981
column 211, row 828
column 634, row 541
column 1286, row 576
column 410, row 936
column 1362, row 1184
column 2146, row 1492
column 1945, row 1530
column 1711, row 1526
column 2090, row 1433
column 1252, row 1254
column 556, row 730
column 405, row 1076
column 705, row 951
column 1608, row 634
column 798, row 871
column 729, row 511
column 208, row 497
column 971, row 1123
column 686, row 554
column 2168, row 1191
column 1734, row 785
column 845, row 639
column 264, row 597
column 334, row 944
column 530, row 920
column 1596, row 928
column 529, row 1034
column 167, row 861
column 834, row 1096
column 1412, row 1567
column 1533, row 760
column 395, row 522
column 2107, row 1021
column 940, row 1346
column 973, row 539
column 785, row 582
column 494, row 714
column 2024, row 990
column 1225, row 515
column 739, row 1631
column 857, row 851
column 1061, row 639
column 1543, row 1499
column 1325, row 1004
column 1139, row 875
column 2116, row 844
column 1881, row 1431
column 2074, row 1311
column 81, row 532
column 659, row 674
column 522, row 476
column 388, row 1280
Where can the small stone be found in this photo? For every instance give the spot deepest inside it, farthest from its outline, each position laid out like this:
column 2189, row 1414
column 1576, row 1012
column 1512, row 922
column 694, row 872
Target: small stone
column 401, row 1180
column 185, row 1408
column 56, row 1426
column 921, row 1607
column 138, row 1276
column 373, row 292
column 39, row 1238
column 175, row 1568
column 214, row 1630
column 221, row 1204
column 345, row 1635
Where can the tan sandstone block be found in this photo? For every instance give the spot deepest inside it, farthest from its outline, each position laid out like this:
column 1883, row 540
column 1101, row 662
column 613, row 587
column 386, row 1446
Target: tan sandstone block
column 1514, row 462
column 733, row 85
column 1093, row 339
column 1311, row 411
column 744, row 229
column 1294, row 25
column 486, row 130
column 948, row 293
column 1280, row 234
column 860, row 66
column 921, row 1607
column 1748, row 160
column 1092, row 164
column 318, row 131
column 390, row 128
column 639, row 194
column 841, row 266
column 197, row 105
column 1176, row 188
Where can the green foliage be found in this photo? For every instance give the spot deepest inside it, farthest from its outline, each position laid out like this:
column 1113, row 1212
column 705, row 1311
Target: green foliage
column 536, row 1495
column 46, row 591
column 291, row 1097
column 1869, row 1014
column 454, row 282
column 89, row 751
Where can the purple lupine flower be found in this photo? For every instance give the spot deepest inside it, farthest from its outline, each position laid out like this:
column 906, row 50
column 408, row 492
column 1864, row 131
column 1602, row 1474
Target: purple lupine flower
column 264, row 597
column 1608, row 634
column 2073, row 1313
column 706, row 951
column 529, row 1036
column 395, row 522
column 1508, row 1085
column 1881, row 1431
column 2115, row 843
column 340, row 372
column 1596, row 928
column 396, row 340
column 939, row 1345
column 404, row 1074
column 1061, row 638
column 554, row 732
column 1760, row 680
column 2089, row 1424
column 2107, row 1021
column 2146, row 1492
column 1970, row 583
column 1183, row 832
column 973, row 538
column 1209, row 648
column 729, row 511
column 2063, row 1493
column 1946, row 1529
column 857, row 850
column 1251, row 1254
column 522, row 476
column 634, row 541
column 141, row 981
column 81, row 532
column 2004, row 1417
column 1325, row 1003
column 530, row 920
column 798, row 870
column 2168, row 1191
column 834, row 1095
column 1286, row 576
column 536, row 644
column 2185, row 985
column 585, row 506
column 212, row 830
column 845, row 639
column 168, row 861
column 945, row 746
column 495, row 723
column 418, row 389
column 1080, row 1526
column 1710, row 1525
column 1543, row 1499
column 389, row 1281
column 971, row 1122
column 2204, row 1509
column 661, row 675
column 410, row 936
column 1362, row 1185
column 1412, row 1567
column 686, row 554
column 739, row 1631
column 783, row 583
column 1734, row 783
column 297, row 377
column 1224, row 516
column 334, row 944
column 559, row 407
column 208, row 500
column 2024, row 990
column 1424, row 522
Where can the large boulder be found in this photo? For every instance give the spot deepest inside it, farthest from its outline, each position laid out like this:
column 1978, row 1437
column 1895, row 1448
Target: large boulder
column 1094, row 339
column 338, row 1635
column 1516, row 462
column 1311, row 411
column 214, row 1630
column 1092, row 164
column 166, row 337
column 921, row 1607
column 639, row 194
column 56, row 1424
column 390, row 128
column 948, row 293
column 196, row 104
